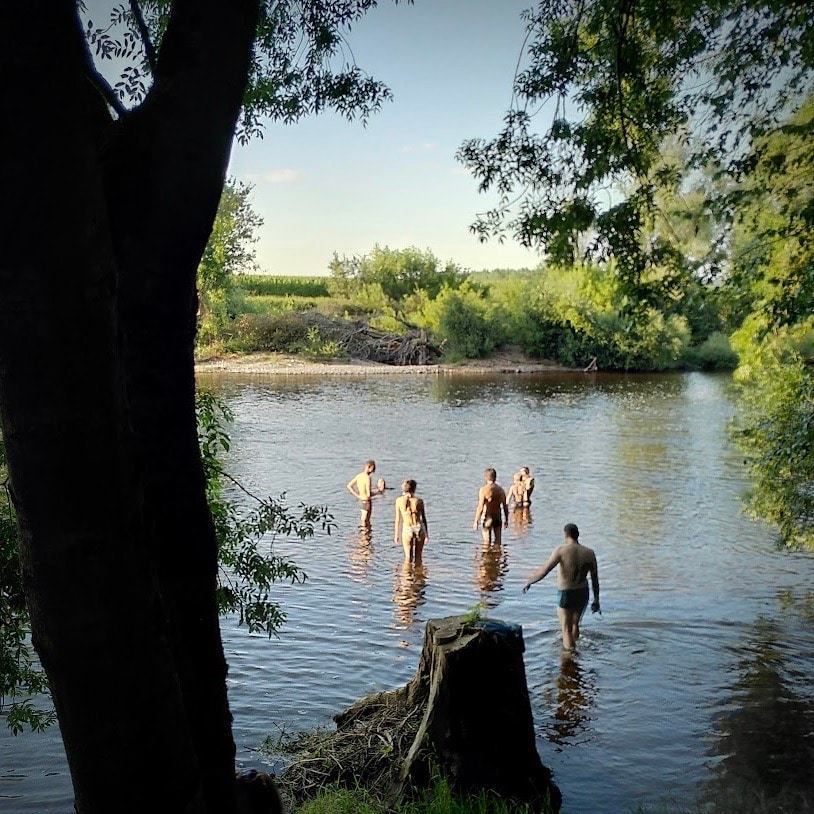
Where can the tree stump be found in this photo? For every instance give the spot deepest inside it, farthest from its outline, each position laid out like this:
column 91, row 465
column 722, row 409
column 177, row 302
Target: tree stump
column 477, row 728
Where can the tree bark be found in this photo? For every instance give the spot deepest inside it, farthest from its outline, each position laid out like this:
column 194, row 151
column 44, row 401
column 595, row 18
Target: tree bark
column 477, row 728
column 103, row 225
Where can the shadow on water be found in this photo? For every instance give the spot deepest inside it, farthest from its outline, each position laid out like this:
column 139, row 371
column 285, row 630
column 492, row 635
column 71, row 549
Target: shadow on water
column 765, row 743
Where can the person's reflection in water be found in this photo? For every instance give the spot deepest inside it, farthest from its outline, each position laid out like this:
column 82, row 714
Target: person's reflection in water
column 361, row 554
column 575, row 695
column 521, row 522
column 492, row 565
column 408, row 596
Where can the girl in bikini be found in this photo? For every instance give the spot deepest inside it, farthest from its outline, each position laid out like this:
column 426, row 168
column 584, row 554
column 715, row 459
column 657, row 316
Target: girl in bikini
column 411, row 522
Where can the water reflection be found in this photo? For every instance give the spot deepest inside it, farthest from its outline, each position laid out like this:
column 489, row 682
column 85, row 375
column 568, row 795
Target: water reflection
column 520, row 522
column 491, row 568
column 360, row 554
column 574, row 699
column 460, row 391
column 409, row 591
column 764, row 747
column 598, row 446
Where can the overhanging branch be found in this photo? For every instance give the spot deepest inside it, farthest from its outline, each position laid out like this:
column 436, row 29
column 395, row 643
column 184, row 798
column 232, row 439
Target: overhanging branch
column 107, row 92
column 144, row 33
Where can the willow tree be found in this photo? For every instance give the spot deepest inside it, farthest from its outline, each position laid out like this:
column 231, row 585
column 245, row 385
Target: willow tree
column 111, row 189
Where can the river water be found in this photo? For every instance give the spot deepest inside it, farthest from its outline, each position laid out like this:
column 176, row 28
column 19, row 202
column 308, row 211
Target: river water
column 692, row 690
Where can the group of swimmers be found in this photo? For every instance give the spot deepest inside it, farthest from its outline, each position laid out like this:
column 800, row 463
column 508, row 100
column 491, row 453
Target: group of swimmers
column 411, row 528
column 575, row 562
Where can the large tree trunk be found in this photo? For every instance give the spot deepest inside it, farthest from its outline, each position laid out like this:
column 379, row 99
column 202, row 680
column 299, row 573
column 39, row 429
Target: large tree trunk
column 103, row 227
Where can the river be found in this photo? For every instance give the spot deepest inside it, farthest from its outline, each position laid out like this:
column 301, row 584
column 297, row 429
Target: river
column 693, row 688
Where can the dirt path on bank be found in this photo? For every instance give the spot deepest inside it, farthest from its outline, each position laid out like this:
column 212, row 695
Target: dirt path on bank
column 506, row 361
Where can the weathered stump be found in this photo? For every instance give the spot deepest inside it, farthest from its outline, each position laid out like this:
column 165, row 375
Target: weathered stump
column 477, row 728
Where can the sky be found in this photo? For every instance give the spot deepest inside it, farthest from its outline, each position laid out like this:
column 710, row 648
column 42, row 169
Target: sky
column 325, row 185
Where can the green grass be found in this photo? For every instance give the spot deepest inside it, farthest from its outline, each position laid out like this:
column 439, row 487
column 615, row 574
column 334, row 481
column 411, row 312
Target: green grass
column 337, row 307
column 278, row 303
column 439, row 799
column 268, row 285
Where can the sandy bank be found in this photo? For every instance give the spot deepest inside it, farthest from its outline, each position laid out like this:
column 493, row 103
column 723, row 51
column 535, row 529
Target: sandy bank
column 282, row 364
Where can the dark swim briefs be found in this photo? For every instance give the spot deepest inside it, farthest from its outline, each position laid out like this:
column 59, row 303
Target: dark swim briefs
column 575, row 599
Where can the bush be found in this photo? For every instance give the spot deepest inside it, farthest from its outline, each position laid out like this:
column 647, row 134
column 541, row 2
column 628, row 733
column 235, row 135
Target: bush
column 280, row 333
column 218, row 309
column 460, row 317
column 277, row 304
column 466, row 329
column 714, row 353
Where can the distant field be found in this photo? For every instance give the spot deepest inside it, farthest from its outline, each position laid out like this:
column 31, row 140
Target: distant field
column 261, row 285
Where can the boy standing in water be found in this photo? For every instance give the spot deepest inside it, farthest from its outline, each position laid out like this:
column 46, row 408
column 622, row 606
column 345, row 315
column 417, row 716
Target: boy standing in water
column 491, row 502
column 576, row 561
column 360, row 487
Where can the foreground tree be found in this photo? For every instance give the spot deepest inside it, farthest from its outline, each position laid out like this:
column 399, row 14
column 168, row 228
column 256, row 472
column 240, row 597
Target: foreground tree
column 113, row 206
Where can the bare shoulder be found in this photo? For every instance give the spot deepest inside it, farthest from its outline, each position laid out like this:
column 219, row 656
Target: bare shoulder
column 587, row 555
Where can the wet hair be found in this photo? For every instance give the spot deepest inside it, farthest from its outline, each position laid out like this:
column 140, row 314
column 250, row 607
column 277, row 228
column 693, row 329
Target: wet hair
column 571, row 531
column 372, row 464
column 409, row 486
column 490, row 474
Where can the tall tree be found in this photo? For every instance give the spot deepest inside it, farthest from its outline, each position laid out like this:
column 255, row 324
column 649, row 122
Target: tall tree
column 114, row 196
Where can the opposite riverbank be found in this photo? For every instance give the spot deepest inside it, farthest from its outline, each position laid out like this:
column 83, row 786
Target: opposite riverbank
column 507, row 361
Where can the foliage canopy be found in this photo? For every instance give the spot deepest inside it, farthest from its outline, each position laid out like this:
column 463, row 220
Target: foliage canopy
column 617, row 78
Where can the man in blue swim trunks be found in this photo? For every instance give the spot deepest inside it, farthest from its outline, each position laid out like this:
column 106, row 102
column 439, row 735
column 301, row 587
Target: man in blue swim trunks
column 575, row 562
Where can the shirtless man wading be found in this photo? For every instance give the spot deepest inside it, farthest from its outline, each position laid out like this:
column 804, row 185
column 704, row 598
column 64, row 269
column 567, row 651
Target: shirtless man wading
column 576, row 562
column 491, row 502
column 360, row 487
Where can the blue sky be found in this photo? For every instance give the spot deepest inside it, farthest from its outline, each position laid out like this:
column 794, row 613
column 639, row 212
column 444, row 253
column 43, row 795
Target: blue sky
column 325, row 185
